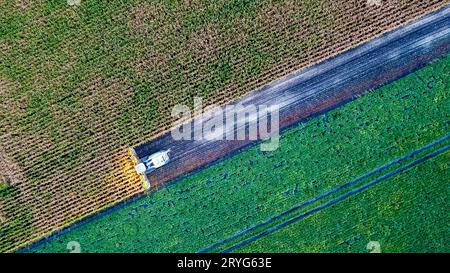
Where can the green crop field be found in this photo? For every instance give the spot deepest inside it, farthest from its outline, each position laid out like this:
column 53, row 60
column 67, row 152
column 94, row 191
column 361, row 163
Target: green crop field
column 405, row 212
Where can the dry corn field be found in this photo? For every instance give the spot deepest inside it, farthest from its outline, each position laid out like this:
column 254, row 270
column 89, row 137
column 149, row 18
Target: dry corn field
column 79, row 84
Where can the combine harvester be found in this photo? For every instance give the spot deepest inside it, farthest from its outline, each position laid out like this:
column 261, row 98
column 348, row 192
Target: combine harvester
column 148, row 164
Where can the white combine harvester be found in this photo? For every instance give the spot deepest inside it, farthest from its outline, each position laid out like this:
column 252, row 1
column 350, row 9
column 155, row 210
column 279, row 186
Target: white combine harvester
column 148, row 164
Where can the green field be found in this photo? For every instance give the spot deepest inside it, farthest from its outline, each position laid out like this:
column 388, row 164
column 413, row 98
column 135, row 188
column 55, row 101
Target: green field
column 408, row 213
column 314, row 156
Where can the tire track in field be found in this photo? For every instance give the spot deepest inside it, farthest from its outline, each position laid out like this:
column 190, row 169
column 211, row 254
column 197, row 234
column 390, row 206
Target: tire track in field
column 328, row 193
